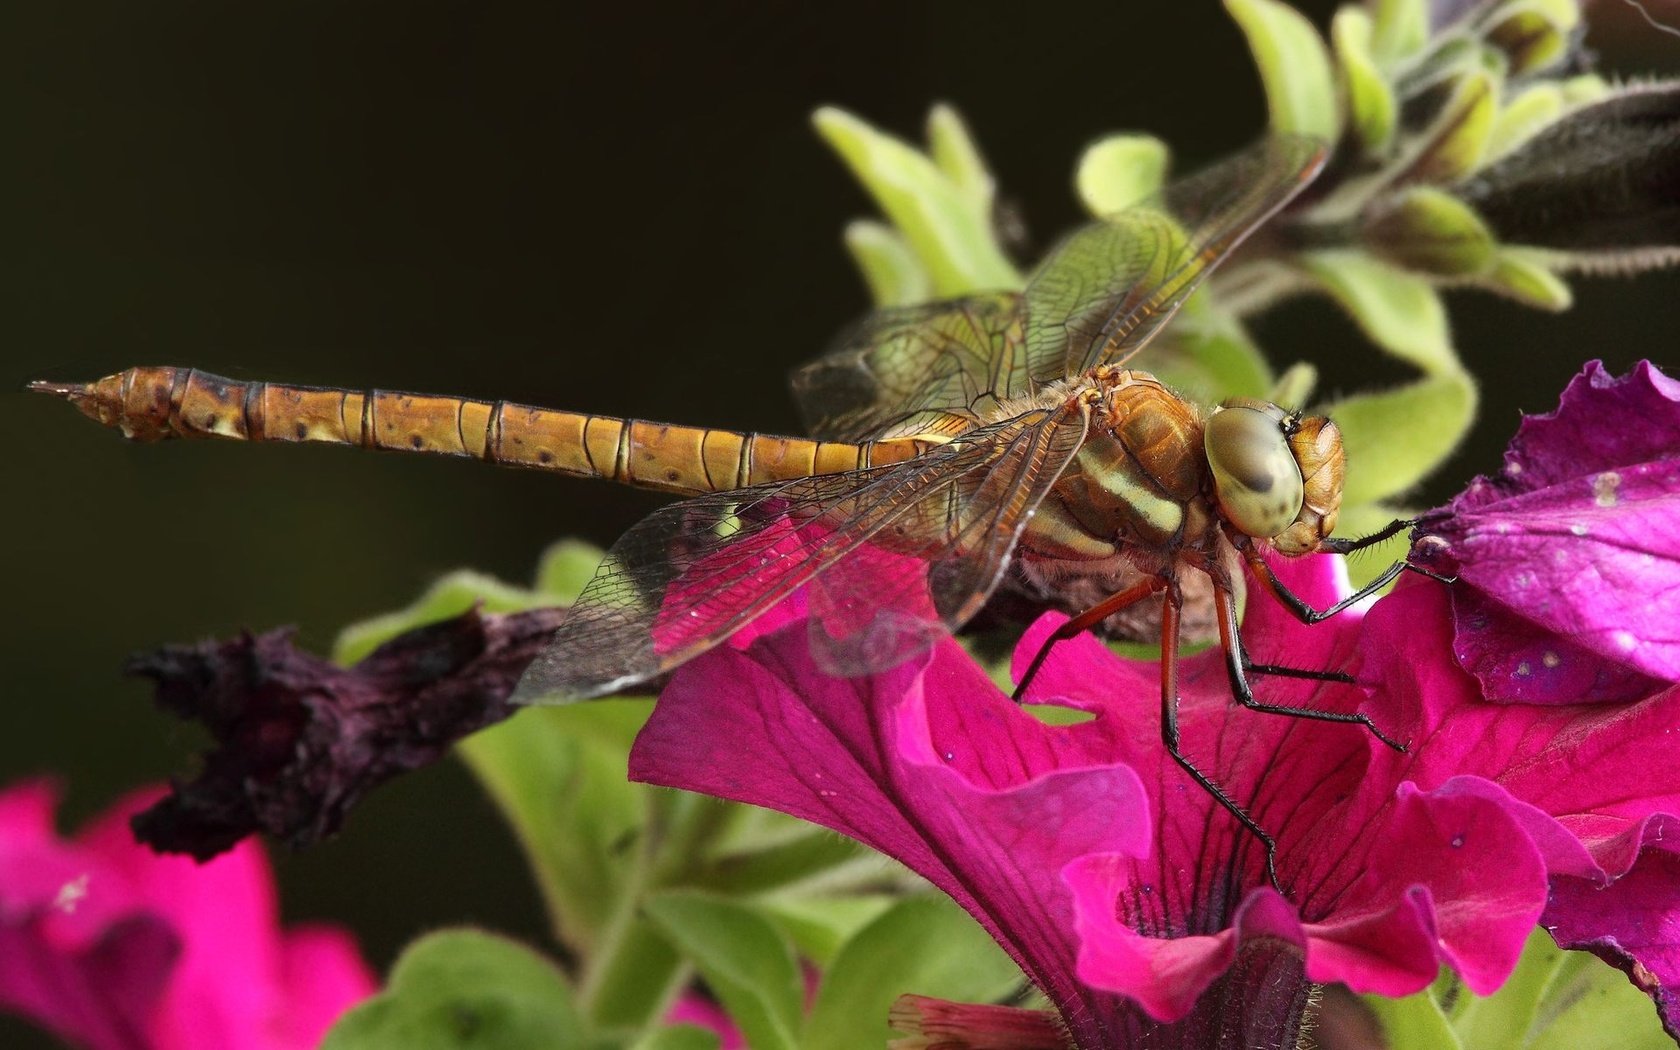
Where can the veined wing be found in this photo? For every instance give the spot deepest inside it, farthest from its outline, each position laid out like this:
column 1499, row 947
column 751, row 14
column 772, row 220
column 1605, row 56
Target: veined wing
column 934, row 367
column 1100, row 296
column 1110, row 286
column 893, row 555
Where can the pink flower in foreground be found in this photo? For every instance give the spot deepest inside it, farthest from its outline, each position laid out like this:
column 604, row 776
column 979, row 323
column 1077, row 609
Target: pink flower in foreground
column 112, row 947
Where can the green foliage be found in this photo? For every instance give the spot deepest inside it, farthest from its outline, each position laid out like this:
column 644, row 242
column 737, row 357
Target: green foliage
column 1555, row 1000
column 465, row 990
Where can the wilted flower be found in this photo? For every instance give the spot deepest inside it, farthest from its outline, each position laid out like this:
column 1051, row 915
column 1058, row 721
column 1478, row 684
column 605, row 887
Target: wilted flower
column 114, row 948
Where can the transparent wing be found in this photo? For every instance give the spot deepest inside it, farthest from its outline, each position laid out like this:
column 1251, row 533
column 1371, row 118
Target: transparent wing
column 895, row 556
column 1110, row 286
column 912, row 368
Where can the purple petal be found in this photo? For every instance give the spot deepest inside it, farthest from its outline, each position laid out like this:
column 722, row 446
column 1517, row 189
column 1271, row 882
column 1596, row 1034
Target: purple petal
column 1568, row 561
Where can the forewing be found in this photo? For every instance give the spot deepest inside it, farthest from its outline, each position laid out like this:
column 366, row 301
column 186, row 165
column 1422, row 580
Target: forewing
column 902, row 553
column 908, row 368
column 1110, row 286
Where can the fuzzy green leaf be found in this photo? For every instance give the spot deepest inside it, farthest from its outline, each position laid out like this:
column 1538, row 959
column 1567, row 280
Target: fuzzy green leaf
column 564, row 569
column 926, row 945
column 1207, row 354
column 1395, row 438
column 888, row 265
column 1372, row 110
column 1401, row 29
column 1522, row 117
column 1523, row 275
column 1294, row 67
column 745, row 961
column 1430, row 231
column 937, row 216
column 463, row 990
column 1399, row 312
column 1532, row 33
column 1118, row 171
column 1455, row 144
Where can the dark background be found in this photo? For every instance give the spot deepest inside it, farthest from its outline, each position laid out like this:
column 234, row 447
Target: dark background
column 618, row 208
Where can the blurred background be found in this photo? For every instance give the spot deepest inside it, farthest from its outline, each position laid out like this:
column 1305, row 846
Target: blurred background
column 607, row 207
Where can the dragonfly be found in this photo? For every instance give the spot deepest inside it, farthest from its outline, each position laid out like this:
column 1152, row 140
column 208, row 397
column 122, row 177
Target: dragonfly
column 954, row 447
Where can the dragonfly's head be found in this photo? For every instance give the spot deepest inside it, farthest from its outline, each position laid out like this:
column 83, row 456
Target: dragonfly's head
column 1277, row 475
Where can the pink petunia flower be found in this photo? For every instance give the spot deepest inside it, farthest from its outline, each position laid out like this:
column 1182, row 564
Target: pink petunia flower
column 1131, row 898
column 1569, row 558
column 112, row 947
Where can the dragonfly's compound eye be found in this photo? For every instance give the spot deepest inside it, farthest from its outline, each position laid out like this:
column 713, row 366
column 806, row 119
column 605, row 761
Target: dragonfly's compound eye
column 1255, row 476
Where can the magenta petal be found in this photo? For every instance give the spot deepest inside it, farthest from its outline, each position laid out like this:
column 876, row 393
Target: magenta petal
column 928, row 763
column 112, row 946
column 1569, row 559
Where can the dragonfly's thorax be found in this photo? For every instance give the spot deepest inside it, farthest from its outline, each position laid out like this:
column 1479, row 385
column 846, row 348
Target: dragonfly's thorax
column 1158, row 480
column 1139, row 481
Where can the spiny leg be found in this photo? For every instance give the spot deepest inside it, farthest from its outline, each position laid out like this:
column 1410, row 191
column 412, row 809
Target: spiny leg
column 1236, row 663
column 1308, row 615
column 1087, row 619
column 1169, row 732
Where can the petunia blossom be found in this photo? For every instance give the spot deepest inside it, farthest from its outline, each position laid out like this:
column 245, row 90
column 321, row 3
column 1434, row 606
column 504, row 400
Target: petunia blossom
column 111, row 947
column 1568, row 560
column 1122, row 888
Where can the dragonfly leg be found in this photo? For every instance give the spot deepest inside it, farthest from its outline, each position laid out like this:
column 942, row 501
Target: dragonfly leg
column 1170, row 737
column 1085, row 620
column 1237, row 667
column 1393, row 528
column 1308, row 615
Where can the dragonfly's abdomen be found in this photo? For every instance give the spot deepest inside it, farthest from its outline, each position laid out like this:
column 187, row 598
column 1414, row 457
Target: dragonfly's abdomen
column 149, row 404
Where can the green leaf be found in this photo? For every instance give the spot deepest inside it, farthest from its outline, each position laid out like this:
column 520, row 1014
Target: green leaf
column 1413, row 1023
column 558, row 774
column 1522, row 117
column 1399, row 312
column 678, row 1037
column 926, row 945
column 938, row 218
column 1532, row 33
column 1522, row 274
column 819, row 926
column 565, row 568
column 1455, row 144
column 888, row 265
column 561, row 573
column 1395, row 438
column 1401, row 29
column 1118, row 171
column 1501, row 1021
column 1430, row 231
column 744, row 960
column 460, row 989
column 1372, row 110
column 955, row 153
column 814, row 852
column 1294, row 388
column 1590, row 1005
column 1294, row 67
column 447, row 597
